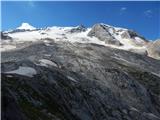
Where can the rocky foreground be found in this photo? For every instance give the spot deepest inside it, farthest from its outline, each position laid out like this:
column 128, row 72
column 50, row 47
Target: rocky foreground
column 62, row 80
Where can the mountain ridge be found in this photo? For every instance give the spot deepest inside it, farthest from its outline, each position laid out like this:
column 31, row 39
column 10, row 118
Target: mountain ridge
column 100, row 33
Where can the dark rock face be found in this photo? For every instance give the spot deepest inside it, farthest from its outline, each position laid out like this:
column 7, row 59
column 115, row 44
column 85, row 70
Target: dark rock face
column 154, row 49
column 90, row 82
column 101, row 32
column 5, row 36
column 111, row 35
column 80, row 28
column 131, row 34
column 11, row 110
column 135, row 38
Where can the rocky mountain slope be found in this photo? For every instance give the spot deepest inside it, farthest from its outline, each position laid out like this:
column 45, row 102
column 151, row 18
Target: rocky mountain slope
column 153, row 49
column 78, row 73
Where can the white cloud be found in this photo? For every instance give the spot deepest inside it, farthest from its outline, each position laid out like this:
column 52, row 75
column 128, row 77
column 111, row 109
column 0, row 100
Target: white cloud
column 148, row 13
column 123, row 9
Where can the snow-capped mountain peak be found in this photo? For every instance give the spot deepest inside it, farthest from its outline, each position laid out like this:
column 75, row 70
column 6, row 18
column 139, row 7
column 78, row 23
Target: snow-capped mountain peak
column 100, row 33
column 26, row 26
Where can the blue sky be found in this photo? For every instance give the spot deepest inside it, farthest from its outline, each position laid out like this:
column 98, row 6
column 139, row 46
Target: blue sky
column 143, row 17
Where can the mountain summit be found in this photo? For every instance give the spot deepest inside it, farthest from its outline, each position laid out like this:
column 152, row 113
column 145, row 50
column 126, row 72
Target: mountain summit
column 26, row 26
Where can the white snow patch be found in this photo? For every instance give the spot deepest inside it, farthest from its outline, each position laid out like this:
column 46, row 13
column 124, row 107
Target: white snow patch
column 47, row 41
column 45, row 62
column 152, row 115
column 25, row 71
column 71, row 78
column 47, row 44
column 134, row 109
column 139, row 40
column 125, row 61
column 119, row 28
column 26, row 26
column 47, row 55
column 7, row 47
column 27, row 36
column 9, row 76
column 121, row 59
column 155, row 74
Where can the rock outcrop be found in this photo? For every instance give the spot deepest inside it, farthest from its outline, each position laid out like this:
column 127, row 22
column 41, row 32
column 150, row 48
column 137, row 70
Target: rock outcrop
column 5, row 36
column 153, row 49
column 102, row 33
column 80, row 28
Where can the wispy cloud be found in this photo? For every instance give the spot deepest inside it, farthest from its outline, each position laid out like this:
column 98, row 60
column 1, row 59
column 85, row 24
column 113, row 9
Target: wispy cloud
column 148, row 13
column 122, row 10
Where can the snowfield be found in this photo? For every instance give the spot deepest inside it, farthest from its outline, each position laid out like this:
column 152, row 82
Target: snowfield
column 45, row 62
column 25, row 71
column 55, row 34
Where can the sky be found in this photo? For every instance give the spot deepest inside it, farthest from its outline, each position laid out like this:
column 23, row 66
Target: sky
column 142, row 17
